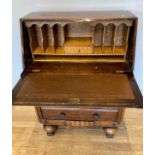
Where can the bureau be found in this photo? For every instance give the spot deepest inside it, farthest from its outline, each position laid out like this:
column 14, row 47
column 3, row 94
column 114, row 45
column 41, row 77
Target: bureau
column 78, row 68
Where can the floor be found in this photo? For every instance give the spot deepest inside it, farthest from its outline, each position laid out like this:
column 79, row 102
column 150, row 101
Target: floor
column 30, row 139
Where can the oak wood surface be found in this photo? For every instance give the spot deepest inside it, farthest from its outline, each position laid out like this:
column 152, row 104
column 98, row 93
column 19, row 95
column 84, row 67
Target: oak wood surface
column 79, row 59
column 74, row 89
column 44, row 19
column 89, row 114
column 111, row 32
column 78, row 38
column 80, row 15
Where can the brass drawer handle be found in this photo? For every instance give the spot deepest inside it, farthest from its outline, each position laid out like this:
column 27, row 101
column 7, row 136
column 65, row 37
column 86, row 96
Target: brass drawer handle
column 96, row 116
column 62, row 115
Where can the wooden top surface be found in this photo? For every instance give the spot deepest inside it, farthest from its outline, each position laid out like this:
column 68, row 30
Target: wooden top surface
column 84, row 15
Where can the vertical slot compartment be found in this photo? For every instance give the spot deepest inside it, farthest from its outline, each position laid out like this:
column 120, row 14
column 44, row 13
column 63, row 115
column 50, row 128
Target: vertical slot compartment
column 121, row 41
column 36, row 39
column 108, row 41
column 59, row 38
column 48, row 39
column 98, row 38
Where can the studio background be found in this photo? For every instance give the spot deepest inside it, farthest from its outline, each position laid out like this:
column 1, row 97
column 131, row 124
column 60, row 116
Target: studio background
column 21, row 8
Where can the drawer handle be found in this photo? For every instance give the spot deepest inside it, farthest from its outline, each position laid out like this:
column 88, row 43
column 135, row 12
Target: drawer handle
column 96, row 116
column 62, row 115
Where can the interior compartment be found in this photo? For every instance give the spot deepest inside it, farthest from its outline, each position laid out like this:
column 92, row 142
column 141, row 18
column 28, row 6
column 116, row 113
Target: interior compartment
column 78, row 38
column 48, row 39
column 82, row 38
column 121, row 39
column 36, row 40
column 108, row 39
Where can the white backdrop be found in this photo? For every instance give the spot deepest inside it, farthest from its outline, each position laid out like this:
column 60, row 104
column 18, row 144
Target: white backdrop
column 23, row 7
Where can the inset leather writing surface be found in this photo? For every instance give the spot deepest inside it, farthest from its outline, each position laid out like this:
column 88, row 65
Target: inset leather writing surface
column 76, row 86
column 98, row 90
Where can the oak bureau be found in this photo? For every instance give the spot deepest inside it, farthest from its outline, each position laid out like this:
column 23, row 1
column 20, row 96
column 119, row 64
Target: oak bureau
column 78, row 68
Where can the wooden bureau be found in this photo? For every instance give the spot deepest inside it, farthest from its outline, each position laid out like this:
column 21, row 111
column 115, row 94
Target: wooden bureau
column 78, row 68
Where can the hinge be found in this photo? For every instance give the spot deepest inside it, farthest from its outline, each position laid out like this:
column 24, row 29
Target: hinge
column 35, row 70
column 121, row 71
column 30, row 70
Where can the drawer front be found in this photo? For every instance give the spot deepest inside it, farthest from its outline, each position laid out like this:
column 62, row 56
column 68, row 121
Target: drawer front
column 78, row 50
column 90, row 114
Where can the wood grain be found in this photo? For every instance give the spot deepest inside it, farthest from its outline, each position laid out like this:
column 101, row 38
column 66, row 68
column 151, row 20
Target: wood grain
column 29, row 137
column 81, row 35
column 54, row 113
column 100, row 90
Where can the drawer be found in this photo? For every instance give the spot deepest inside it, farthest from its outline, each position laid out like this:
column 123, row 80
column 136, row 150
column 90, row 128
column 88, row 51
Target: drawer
column 91, row 114
column 78, row 50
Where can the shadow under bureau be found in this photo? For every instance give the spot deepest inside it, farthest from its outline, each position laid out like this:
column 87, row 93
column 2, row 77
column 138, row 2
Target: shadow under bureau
column 78, row 68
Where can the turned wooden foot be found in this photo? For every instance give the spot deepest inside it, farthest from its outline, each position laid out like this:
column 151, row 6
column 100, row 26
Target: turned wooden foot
column 50, row 129
column 110, row 131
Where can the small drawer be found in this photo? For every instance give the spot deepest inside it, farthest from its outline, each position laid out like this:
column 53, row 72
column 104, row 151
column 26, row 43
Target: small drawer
column 78, row 50
column 91, row 114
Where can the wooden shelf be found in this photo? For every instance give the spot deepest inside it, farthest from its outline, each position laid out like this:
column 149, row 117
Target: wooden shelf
column 38, row 50
column 70, row 58
column 119, row 51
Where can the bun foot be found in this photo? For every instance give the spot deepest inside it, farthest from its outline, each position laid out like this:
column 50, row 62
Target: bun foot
column 50, row 129
column 110, row 131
